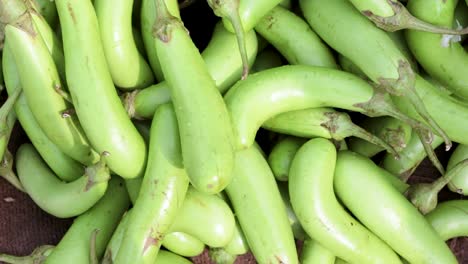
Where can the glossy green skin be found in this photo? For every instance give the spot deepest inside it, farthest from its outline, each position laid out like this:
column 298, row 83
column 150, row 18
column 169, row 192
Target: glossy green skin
column 224, row 66
column 410, row 157
column 282, row 154
column 398, row 38
column 115, row 241
column 104, row 216
column 147, row 17
column 377, row 7
column 297, row 229
column 63, row 166
column 206, row 133
column 52, row 41
column 381, row 59
column 448, row 112
column 450, row 219
column 313, row 252
column 459, row 182
column 213, row 224
column 183, row 244
column 161, row 194
column 321, row 215
column 176, row 242
column 251, row 12
column 54, row 196
column 238, row 244
column 167, row 257
column 127, row 66
column 392, row 130
column 260, row 210
column 39, row 77
column 337, row 22
column 386, row 211
column 314, row 122
column 294, row 38
column 206, row 217
column 94, row 96
column 288, row 88
column 446, row 64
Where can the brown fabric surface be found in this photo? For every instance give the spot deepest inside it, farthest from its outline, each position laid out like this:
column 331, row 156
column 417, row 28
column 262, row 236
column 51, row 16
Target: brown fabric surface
column 24, row 226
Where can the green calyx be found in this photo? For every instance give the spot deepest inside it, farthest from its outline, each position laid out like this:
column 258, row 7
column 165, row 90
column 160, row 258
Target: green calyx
column 403, row 19
column 341, row 126
column 6, row 171
column 38, row 256
column 220, row 256
column 98, row 172
column 424, row 195
column 162, row 27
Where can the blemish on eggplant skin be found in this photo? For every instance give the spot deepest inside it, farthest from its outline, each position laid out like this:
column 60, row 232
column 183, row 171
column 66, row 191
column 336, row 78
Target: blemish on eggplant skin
column 150, row 241
column 72, row 13
column 200, row 202
column 278, row 258
column 271, row 22
column 367, row 13
column 165, row 38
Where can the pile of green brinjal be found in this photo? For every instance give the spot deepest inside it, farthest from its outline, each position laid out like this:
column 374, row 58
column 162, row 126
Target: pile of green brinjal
column 290, row 135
